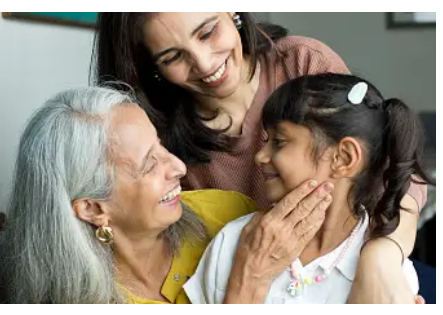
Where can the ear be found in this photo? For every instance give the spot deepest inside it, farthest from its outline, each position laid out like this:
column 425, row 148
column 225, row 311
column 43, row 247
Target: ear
column 347, row 159
column 90, row 211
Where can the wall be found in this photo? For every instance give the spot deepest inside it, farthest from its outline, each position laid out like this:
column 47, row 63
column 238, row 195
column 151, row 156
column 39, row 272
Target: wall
column 36, row 61
column 401, row 63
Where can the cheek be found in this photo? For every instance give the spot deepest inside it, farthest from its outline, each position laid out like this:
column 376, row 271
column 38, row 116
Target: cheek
column 145, row 201
column 151, row 190
column 294, row 168
column 238, row 49
column 144, row 192
column 234, row 42
column 176, row 74
column 239, row 45
column 323, row 171
column 227, row 39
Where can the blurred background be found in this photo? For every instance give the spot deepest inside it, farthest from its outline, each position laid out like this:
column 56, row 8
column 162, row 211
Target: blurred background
column 43, row 53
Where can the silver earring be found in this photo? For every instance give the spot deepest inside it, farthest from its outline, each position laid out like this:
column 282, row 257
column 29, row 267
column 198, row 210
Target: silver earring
column 237, row 21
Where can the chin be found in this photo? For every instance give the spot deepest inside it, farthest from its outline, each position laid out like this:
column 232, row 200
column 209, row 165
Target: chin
column 170, row 214
column 177, row 213
column 274, row 196
column 224, row 92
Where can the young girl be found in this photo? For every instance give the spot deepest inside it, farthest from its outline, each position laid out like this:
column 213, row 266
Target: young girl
column 336, row 128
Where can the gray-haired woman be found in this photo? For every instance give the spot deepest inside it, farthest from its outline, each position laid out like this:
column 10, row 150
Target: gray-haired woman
column 97, row 214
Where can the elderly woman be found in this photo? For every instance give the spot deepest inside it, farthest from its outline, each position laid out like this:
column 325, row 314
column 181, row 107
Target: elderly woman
column 97, row 214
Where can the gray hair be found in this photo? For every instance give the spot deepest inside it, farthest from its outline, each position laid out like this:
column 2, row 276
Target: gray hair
column 50, row 256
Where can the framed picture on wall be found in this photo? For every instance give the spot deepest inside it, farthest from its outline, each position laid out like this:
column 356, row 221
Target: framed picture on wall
column 81, row 19
column 411, row 19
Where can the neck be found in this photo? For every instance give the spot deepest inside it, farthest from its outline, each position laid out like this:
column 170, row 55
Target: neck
column 142, row 264
column 235, row 105
column 337, row 227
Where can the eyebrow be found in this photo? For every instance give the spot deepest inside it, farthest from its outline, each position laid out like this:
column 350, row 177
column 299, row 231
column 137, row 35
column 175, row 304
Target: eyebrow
column 162, row 53
column 280, row 128
column 203, row 24
column 195, row 31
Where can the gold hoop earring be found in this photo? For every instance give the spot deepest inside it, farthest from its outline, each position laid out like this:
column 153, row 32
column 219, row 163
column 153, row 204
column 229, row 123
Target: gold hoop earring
column 105, row 235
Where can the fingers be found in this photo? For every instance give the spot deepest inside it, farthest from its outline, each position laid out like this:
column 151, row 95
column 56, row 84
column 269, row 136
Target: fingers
column 291, row 200
column 319, row 198
column 306, row 229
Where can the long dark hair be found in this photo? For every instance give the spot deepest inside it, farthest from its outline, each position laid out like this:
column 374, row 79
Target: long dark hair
column 121, row 55
column 392, row 134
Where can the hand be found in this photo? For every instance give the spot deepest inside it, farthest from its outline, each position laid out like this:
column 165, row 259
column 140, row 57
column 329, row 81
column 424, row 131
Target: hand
column 272, row 240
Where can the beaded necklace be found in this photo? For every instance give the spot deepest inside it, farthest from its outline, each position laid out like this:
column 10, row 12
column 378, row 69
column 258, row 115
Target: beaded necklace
column 297, row 283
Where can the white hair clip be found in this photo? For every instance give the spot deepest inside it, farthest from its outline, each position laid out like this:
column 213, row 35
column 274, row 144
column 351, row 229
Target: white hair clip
column 357, row 93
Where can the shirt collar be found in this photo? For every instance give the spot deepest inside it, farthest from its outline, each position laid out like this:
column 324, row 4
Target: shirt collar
column 183, row 267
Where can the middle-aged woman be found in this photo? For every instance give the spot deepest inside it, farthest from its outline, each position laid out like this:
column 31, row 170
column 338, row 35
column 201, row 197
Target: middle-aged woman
column 205, row 77
column 97, row 215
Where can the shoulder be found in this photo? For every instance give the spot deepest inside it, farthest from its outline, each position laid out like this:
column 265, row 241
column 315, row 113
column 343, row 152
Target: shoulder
column 290, row 43
column 235, row 227
column 218, row 207
column 309, row 56
column 304, row 45
column 227, row 239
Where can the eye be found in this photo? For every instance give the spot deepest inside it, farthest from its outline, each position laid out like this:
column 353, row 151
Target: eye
column 209, row 33
column 278, row 143
column 167, row 62
column 151, row 166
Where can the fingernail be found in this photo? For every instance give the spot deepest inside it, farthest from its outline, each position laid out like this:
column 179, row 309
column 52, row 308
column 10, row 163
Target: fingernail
column 313, row 183
column 329, row 187
column 328, row 198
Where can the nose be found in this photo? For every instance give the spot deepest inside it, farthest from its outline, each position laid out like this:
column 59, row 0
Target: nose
column 263, row 156
column 203, row 61
column 174, row 167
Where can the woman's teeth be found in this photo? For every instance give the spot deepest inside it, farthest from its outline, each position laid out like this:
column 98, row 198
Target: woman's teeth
column 171, row 195
column 215, row 76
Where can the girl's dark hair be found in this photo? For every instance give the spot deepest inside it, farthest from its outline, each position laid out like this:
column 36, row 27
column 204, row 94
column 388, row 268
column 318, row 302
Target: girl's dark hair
column 121, row 55
column 392, row 135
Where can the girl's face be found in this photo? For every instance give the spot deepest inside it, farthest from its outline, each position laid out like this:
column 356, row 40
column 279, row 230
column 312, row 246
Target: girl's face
column 287, row 161
column 199, row 51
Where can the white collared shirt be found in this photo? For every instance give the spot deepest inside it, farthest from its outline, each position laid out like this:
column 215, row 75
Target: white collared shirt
column 208, row 285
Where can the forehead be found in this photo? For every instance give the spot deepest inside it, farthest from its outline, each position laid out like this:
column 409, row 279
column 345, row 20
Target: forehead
column 131, row 133
column 166, row 27
column 291, row 129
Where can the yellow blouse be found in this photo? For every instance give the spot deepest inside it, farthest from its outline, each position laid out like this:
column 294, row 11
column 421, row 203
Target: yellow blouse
column 215, row 208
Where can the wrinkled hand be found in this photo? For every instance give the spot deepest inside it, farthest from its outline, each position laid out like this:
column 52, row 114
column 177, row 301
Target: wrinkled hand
column 272, row 240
